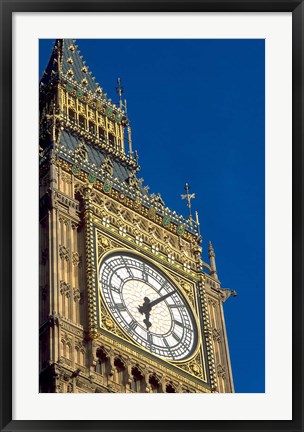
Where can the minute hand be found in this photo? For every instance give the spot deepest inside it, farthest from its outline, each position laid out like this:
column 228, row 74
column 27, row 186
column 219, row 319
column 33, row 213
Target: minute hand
column 160, row 299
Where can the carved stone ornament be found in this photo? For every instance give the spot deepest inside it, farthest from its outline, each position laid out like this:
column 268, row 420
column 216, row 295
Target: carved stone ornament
column 133, row 181
column 76, row 259
column 212, row 302
column 194, row 367
column 81, row 152
column 64, row 252
column 76, row 294
column 65, row 289
column 221, row 371
column 66, row 178
column 108, row 323
column 152, row 213
column 216, row 335
column 157, row 201
column 54, row 319
column 107, row 166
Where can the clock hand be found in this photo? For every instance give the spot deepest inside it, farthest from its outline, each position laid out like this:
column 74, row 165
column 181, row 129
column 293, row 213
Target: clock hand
column 146, row 320
column 146, row 309
column 160, row 299
column 147, row 306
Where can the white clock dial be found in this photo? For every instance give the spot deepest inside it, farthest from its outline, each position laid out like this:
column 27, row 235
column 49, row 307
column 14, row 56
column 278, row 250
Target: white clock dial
column 148, row 306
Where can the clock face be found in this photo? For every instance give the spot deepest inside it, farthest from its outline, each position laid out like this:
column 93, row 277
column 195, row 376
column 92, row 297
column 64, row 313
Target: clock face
column 148, row 306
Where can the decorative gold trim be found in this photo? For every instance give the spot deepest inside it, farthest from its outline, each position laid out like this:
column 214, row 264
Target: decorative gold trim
column 197, row 349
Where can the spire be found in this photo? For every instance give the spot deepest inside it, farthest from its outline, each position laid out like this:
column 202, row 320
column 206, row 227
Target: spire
column 199, row 238
column 189, row 197
column 119, row 91
column 66, row 61
column 211, row 255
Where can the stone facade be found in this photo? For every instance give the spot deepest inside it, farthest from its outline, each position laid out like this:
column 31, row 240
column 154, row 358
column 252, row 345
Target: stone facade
column 91, row 204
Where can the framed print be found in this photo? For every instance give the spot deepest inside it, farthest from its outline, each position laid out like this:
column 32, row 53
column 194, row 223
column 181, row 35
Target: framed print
column 151, row 260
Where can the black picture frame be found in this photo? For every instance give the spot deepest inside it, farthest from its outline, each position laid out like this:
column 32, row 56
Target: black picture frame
column 7, row 9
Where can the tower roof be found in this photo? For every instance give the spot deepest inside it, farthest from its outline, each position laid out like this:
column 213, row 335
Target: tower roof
column 84, row 118
column 66, row 61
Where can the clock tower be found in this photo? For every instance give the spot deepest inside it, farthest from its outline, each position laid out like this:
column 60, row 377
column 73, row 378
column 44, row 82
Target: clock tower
column 127, row 303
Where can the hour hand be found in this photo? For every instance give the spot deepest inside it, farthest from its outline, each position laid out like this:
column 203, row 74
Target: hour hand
column 146, row 309
column 146, row 320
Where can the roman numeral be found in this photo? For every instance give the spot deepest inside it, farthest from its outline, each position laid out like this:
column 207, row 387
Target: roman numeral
column 133, row 325
column 176, row 305
column 126, row 263
column 113, row 288
column 175, row 336
column 166, row 342
column 120, row 306
column 165, row 283
column 119, row 277
column 179, row 323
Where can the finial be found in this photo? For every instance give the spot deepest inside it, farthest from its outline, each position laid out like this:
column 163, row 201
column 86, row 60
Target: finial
column 211, row 255
column 189, row 197
column 119, row 91
column 198, row 227
column 211, row 250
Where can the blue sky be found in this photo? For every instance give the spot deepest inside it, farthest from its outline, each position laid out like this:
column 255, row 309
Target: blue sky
column 197, row 115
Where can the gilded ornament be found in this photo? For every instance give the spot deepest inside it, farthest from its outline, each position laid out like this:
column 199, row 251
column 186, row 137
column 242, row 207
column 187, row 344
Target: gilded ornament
column 195, row 368
column 152, row 213
column 108, row 323
column 166, row 221
column 118, row 118
column 137, row 204
column 186, row 287
column 108, row 111
column 181, row 229
column 92, row 177
column 75, row 169
column 107, row 186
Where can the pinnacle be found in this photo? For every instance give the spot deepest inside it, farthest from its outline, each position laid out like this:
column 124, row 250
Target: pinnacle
column 66, row 62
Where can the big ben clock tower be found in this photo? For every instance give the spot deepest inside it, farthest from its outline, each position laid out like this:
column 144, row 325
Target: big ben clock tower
column 126, row 302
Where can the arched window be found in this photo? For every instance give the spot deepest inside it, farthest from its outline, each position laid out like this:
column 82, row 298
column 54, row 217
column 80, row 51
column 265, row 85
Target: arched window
column 91, row 127
column 68, row 352
column 170, row 388
column 71, row 114
column 81, row 357
column 82, row 121
column 62, row 348
column 101, row 365
column 155, row 384
column 137, row 380
column 101, row 133
column 111, row 139
column 119, row 371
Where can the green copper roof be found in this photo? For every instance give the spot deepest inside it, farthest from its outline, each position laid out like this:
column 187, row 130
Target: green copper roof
column 95, row 156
